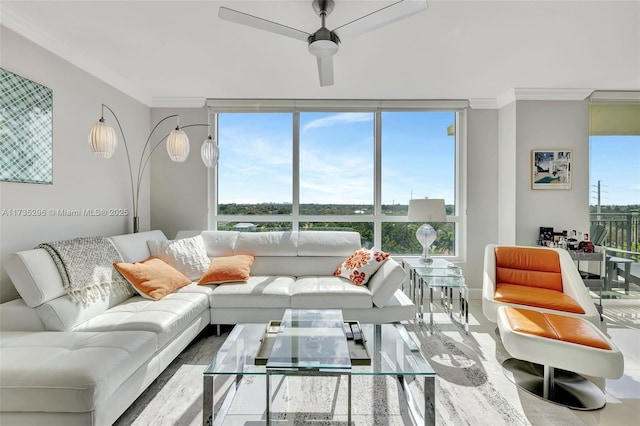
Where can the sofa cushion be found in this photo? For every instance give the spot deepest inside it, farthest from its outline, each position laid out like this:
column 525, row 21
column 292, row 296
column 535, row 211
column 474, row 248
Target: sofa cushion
column 188, row 255
column 327, row 243
column 361, row 265
column 384, row 283
column 257, row 292
column 166, row 317
column 133, row 247
column 267, row 243
column 528, row 266
column 15, row 315
column 536, row 297
column 228, row 269
column 220, row 243
column 68, row 371
column 35, row 276
column 329, row 292
column 296, row 266
column 152, row 278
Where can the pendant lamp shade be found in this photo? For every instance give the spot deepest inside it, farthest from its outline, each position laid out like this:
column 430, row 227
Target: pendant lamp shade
column 209, row 152
column 102, row 139
column 178, row 145
column 103, row 143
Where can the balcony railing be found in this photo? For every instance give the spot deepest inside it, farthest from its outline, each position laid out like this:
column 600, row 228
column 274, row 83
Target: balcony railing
column 623, row 230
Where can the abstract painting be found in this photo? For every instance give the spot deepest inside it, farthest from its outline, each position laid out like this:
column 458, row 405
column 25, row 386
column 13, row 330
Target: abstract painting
column 551, row 169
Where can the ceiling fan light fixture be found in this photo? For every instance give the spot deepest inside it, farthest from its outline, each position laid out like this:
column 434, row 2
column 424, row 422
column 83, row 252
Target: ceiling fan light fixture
column 323, row 48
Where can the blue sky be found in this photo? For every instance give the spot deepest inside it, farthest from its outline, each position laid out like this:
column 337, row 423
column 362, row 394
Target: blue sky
column 336, row 159
column 615, row 161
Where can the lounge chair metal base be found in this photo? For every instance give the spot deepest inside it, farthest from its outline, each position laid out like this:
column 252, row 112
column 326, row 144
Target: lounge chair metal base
column 555, row 385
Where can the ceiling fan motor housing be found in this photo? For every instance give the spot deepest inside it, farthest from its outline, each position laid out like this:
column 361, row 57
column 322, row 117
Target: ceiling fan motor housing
column 323, row 43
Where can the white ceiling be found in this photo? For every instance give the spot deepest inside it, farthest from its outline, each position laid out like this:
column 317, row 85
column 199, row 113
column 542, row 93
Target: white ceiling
column 161, row 52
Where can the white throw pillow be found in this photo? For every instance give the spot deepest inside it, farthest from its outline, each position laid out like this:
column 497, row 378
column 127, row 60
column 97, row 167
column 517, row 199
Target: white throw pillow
column 187, row 255
column 361, row 265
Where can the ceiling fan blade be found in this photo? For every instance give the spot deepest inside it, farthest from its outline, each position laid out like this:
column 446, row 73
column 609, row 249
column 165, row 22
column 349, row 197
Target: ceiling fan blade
column 325, row 70
column 379, row 18
column 261, row 24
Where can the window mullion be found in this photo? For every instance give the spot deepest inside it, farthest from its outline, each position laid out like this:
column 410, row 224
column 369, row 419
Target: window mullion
column 377, row 182
column 295, row 207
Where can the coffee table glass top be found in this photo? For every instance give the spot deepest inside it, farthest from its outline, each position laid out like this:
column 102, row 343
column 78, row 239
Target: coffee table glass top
column 392, row 351
column 310, row 339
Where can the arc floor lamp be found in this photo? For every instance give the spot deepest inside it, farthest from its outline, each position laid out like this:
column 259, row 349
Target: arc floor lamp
column 103, row 143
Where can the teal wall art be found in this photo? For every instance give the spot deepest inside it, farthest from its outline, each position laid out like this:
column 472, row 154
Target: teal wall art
column 26, row 130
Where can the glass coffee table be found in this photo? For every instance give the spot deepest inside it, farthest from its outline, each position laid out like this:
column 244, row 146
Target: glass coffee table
column 391, row 349
column 310, row 342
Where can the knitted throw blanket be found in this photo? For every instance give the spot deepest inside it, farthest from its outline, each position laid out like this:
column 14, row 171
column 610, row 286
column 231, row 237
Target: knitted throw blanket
column 86, row 268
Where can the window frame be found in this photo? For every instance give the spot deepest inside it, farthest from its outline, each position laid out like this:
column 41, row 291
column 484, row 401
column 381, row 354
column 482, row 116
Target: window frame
column 296, row 107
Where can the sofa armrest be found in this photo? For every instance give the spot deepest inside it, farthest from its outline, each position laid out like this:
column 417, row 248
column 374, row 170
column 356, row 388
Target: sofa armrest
column 387, row 279
column 17, row 316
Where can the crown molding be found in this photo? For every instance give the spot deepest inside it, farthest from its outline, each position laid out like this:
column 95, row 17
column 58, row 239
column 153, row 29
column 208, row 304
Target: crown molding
column 616, row 96
column 552, row 94
column 12, row 20
column 513, row 95
column 184, row 102
column 483, row 103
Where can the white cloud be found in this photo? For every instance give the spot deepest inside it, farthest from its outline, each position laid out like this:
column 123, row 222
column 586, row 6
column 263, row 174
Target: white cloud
column 340, row 118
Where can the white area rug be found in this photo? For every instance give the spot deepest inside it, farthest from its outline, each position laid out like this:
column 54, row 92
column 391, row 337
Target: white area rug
column 470, row 389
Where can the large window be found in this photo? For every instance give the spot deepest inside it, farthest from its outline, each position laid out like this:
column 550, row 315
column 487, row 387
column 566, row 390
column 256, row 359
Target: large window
column 339, row 167
column 614, row 153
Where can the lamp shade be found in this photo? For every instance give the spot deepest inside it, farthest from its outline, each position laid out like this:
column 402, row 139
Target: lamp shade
column 427, row 210
column 209, row 152
column 102, row 139
column 178, row 145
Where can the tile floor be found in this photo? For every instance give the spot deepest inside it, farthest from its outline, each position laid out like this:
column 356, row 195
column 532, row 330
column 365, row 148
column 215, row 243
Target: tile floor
column 171, row 400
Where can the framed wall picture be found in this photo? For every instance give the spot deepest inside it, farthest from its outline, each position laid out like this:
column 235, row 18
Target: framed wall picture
column 551, row 169
column 26, row 131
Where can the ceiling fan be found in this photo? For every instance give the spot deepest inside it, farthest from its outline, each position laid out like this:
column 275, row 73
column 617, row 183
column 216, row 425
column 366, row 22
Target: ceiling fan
column 323, row 43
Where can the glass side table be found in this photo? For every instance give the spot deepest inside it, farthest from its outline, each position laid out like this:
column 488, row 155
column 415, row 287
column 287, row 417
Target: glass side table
column 448, row 278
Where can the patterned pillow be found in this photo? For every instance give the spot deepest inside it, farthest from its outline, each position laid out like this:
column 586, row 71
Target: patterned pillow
column 187, row 255
column 361, row 265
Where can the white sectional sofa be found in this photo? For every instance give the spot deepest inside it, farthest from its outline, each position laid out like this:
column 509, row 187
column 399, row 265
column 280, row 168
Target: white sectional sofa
column 62, row 363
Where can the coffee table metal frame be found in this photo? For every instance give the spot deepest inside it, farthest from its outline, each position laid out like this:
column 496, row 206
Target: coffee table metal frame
column 301, row 348
column 393, row 353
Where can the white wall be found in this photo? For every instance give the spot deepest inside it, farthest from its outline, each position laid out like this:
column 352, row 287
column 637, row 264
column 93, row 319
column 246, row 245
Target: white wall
column 179, row 190
column 507, row 166
column 482, row 190
column 554, row 125
column 80, row 180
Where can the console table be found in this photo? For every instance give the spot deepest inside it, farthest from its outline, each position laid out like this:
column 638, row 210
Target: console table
column 593, row 284
column 440, row 274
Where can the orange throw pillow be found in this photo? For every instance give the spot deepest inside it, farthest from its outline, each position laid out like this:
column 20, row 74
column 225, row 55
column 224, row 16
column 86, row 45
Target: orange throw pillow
column 228, row 269
column 152, row 278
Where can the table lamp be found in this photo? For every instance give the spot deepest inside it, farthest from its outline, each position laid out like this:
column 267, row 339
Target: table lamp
column 423, row 210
